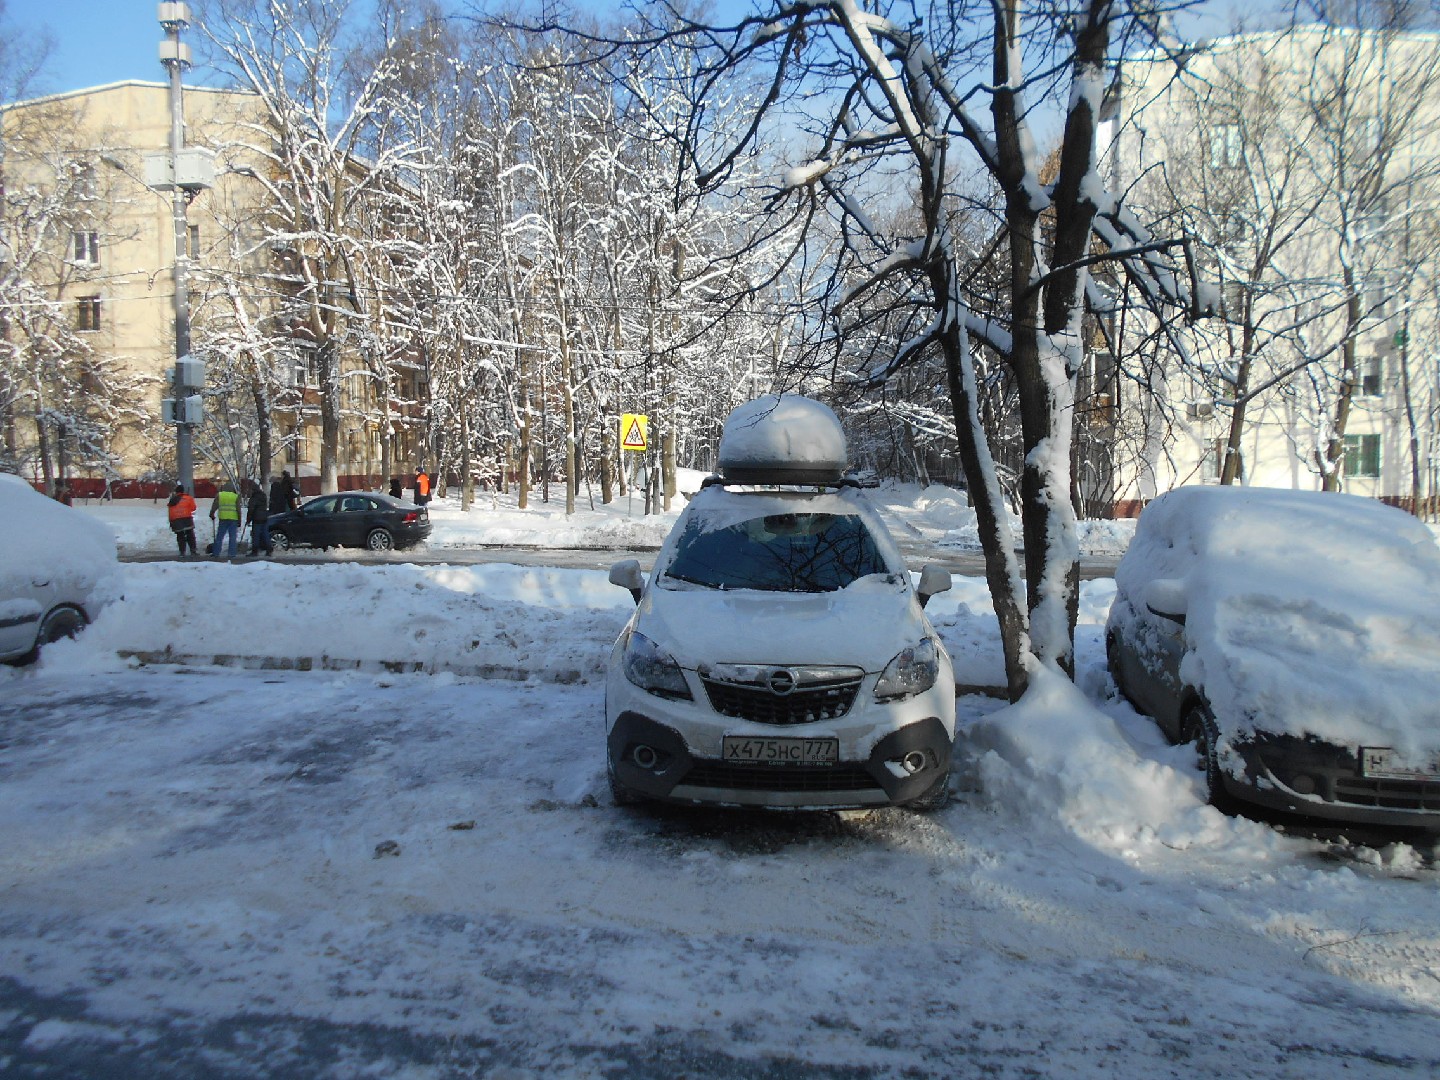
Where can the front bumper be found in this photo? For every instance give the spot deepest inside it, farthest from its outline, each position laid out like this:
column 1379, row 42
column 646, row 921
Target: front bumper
column 679, row 776
column 1321, row 780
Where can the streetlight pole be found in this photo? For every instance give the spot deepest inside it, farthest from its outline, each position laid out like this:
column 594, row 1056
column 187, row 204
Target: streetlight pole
column 175, row 56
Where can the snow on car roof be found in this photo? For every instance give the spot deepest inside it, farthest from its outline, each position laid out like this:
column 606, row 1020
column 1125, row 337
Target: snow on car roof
column 783, row 438
column 1307, row 612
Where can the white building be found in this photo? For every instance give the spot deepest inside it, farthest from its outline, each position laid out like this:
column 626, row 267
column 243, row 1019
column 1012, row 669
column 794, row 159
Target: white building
column 1303, row 165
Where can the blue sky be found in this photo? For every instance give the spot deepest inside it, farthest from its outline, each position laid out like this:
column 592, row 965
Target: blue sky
column 103, row 41
column 96, row 41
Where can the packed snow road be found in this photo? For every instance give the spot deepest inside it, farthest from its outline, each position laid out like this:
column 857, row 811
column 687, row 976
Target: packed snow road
column 245, row 872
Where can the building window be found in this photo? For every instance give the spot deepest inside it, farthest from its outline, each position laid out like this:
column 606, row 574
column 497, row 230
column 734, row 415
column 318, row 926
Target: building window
column 85, row 247
column 84, row 180
column 87, row 314
column 1225, row 146
column 1210, row 464
column 1362, row 455
column 297, row 445
column 1371, row 370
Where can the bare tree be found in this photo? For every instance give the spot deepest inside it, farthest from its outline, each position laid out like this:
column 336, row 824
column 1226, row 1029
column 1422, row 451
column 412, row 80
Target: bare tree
column 885, row 102
column 327, row 160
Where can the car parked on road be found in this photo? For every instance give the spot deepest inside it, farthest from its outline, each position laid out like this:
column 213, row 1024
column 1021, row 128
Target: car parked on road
column 1292, row 638
column 58, row 568
column 364, row 519
column 779, row 655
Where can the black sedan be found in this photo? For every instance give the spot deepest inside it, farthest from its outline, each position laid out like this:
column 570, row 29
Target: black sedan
column 351, row 519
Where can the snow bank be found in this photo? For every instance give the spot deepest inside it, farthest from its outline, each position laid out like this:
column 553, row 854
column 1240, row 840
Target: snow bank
column 1057, row 757
column 497, row 620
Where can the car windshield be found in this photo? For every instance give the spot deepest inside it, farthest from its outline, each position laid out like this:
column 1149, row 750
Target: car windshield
column 778, row 553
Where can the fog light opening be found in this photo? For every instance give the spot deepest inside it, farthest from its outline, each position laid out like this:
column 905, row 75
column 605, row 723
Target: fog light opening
column 914, row 761
column 1302, row 784
column 644, row 756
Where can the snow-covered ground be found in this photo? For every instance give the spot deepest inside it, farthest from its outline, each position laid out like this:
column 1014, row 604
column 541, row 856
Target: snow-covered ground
column 404, row 862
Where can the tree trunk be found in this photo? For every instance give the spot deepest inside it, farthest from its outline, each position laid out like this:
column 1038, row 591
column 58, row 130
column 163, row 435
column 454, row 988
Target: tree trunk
column 265, row 436
column 1230, row 467
column 467, row 480
column 329, row 416
column 996, row 541
column 522, row 466
column 1332, row 458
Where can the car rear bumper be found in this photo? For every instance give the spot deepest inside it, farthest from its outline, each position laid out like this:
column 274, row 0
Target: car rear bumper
column 678, row 776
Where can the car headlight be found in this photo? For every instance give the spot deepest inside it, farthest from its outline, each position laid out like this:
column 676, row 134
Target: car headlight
column 912, row 672
column 652, row 668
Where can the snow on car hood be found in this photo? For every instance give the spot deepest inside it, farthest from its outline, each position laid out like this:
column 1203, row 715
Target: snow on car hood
column 1308, row 614
column 863, row 625
column 41, row 539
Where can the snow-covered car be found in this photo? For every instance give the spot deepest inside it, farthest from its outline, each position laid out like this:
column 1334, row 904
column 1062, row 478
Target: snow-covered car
column 58, row 568
column 779, row 655
column 1292, row 637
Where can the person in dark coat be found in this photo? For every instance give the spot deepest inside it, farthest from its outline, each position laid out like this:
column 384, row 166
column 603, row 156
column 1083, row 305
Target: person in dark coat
column 283, row 495
column 396, row 491
column 257, row 513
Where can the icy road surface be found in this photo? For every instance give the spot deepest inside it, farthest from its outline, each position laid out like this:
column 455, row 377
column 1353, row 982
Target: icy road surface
column 245, row 873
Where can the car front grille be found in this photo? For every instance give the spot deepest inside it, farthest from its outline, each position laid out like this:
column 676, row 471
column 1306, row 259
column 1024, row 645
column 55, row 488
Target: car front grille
column 804, row 705
column 1422, row 795
column 780, row 777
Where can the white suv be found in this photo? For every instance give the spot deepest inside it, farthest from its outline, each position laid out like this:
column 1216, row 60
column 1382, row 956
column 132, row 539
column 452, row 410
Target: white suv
column 779, row 655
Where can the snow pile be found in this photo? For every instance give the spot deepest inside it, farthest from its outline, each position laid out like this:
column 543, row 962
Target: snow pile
column 1055, row 756
column 1098, row 537
column 1315, row 613
column 493, row 620
column 494, row 520
column 946, row 509
column 41, row 539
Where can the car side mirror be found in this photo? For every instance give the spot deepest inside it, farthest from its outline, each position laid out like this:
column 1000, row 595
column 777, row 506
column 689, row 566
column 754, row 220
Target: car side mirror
column 934, row 578
column 1166, row 597
column 627, row 574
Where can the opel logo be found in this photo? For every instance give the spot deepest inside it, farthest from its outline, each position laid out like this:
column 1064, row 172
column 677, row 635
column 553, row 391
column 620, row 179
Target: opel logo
column 780, row 681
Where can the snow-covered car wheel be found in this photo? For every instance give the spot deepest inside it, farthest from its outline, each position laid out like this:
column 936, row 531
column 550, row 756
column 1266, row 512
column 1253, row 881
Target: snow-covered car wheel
column 60, row 622
column 379, row 540
column 1112, row 661
column 281, row 539
column 63, row 622
column 1199, row 731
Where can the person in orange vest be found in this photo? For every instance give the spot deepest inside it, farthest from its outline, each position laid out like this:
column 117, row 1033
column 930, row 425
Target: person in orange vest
column 422, row 486
column 182, row 519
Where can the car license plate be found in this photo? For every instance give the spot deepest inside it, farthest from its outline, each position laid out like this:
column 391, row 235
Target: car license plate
column 1382, row 763
column 736, row 748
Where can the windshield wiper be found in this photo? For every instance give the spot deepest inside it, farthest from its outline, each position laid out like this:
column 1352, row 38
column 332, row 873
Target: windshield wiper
column 693, row 581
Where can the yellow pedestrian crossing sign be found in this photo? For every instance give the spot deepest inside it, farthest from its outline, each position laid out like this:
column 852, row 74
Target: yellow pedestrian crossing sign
column 633, row 431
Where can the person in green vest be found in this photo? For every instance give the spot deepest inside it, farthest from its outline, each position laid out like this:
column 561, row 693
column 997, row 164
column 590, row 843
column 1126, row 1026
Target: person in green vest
column 225, row 512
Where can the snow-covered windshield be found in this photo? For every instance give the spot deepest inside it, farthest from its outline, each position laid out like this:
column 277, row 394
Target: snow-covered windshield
column 804, row 552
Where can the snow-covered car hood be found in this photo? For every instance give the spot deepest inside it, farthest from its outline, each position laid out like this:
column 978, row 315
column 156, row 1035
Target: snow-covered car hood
column 863, row 625
column 1306, row 614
